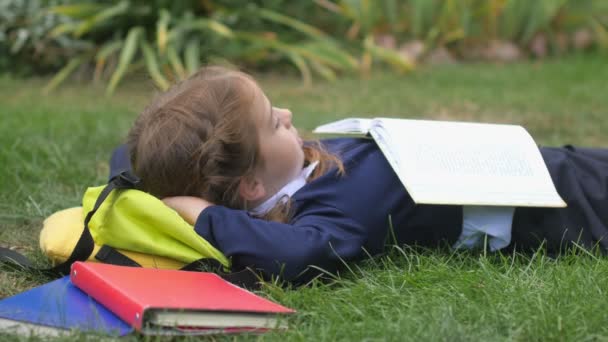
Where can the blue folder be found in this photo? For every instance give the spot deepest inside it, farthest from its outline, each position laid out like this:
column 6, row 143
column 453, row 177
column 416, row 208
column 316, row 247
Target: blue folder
column 55, row 308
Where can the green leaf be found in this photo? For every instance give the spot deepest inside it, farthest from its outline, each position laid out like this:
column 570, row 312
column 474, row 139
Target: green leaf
column 389, row 56
column 102, row 55
column 303, row 68
column 62, row 29
column 176, row 62
column 77, row 11
column 202, row 24
column 297, row 25
column 540, row 17
column 391, row 11
column 126, row 57
column 161, row 30
column 422, row 15
column 153, row 67
column 192, row 55
column 321, row 56
column 325, row 72
column 107, row 49
column 601, row 34
column 328, row 53
column 62, row 74
column 22, row 37
column 103, row 16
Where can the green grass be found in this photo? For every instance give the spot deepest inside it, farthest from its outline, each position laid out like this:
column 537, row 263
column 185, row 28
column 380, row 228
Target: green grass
column 54, row 147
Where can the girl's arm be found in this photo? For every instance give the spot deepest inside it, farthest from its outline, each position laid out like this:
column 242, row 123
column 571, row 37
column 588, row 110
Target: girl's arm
column 188, row 207
column 320, row 236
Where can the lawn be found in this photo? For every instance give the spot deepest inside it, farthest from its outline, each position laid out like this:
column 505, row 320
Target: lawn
column 54, row 146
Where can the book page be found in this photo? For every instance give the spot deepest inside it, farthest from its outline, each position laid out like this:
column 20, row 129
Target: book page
column 442, row 162
column 346, row 126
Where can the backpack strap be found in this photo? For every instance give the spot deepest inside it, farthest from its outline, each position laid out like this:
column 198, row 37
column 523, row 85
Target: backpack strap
column 245, row 278
column 13, row 258
column 109, row 255
column 85, row 245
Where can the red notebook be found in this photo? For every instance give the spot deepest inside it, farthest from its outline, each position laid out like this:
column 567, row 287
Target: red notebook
column 159, row 301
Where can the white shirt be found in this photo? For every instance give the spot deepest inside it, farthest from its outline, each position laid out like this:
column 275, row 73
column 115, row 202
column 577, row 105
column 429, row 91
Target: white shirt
column 479, row 221
column 286, row 192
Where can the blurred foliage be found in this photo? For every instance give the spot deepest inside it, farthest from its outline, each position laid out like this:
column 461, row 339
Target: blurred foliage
column 170, row 39
column 25, row 44
column 175, row 37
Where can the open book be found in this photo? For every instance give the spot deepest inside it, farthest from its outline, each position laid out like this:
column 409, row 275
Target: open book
column 460, row 163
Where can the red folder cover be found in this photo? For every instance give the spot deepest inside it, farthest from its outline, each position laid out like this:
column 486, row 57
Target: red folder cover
column 145, row 296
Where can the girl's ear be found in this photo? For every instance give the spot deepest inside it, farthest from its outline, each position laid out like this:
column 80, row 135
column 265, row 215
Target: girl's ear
column 251, row 188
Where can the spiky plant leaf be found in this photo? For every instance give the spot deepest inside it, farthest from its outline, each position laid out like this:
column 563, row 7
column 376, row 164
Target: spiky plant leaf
column 102, row 55
column 107, row 49
column 176, row 62
column 328, row 53
column 295, row 24
column 302, row 67
column 63, row 74
column 192, row 55
column 77, row 11
column 126, row 57
column 325, row 72
column 153, row 67
column 161, row 30
column 399, row 62
column 201, row 25
column 101, row 17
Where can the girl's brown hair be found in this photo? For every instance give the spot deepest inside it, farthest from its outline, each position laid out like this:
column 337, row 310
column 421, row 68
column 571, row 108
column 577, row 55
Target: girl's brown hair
column 199, row 139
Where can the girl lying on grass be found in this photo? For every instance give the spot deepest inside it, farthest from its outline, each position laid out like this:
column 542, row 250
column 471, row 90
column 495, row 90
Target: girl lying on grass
column 216, row 150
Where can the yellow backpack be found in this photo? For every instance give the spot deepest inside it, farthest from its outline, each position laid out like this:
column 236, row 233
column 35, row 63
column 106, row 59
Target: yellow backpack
column 136, row 224
column 120, row 225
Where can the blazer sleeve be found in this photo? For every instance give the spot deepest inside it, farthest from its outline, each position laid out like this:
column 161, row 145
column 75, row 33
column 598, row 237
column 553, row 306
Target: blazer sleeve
column 319, row 235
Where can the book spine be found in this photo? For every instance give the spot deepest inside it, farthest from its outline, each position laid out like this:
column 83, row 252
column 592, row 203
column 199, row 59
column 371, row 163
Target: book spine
column 102, row 291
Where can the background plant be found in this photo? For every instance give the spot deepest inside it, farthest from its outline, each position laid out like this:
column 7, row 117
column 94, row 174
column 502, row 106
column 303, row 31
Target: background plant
column 106, row 40
column 173, row 38
column 25, row 44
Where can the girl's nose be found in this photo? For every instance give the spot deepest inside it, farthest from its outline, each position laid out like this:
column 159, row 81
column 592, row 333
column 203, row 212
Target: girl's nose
column 286, row 116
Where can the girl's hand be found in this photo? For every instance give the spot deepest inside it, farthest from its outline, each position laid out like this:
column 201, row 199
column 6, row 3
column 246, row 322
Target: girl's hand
column 188, row 207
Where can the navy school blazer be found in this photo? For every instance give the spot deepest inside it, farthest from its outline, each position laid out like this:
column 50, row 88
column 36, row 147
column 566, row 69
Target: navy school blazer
column 340, row 218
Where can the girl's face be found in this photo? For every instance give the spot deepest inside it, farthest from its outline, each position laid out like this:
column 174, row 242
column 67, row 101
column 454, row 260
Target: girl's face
column 280, row 145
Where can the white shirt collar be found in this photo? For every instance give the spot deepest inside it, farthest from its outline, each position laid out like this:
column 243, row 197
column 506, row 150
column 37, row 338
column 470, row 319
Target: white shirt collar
column 286, row 192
